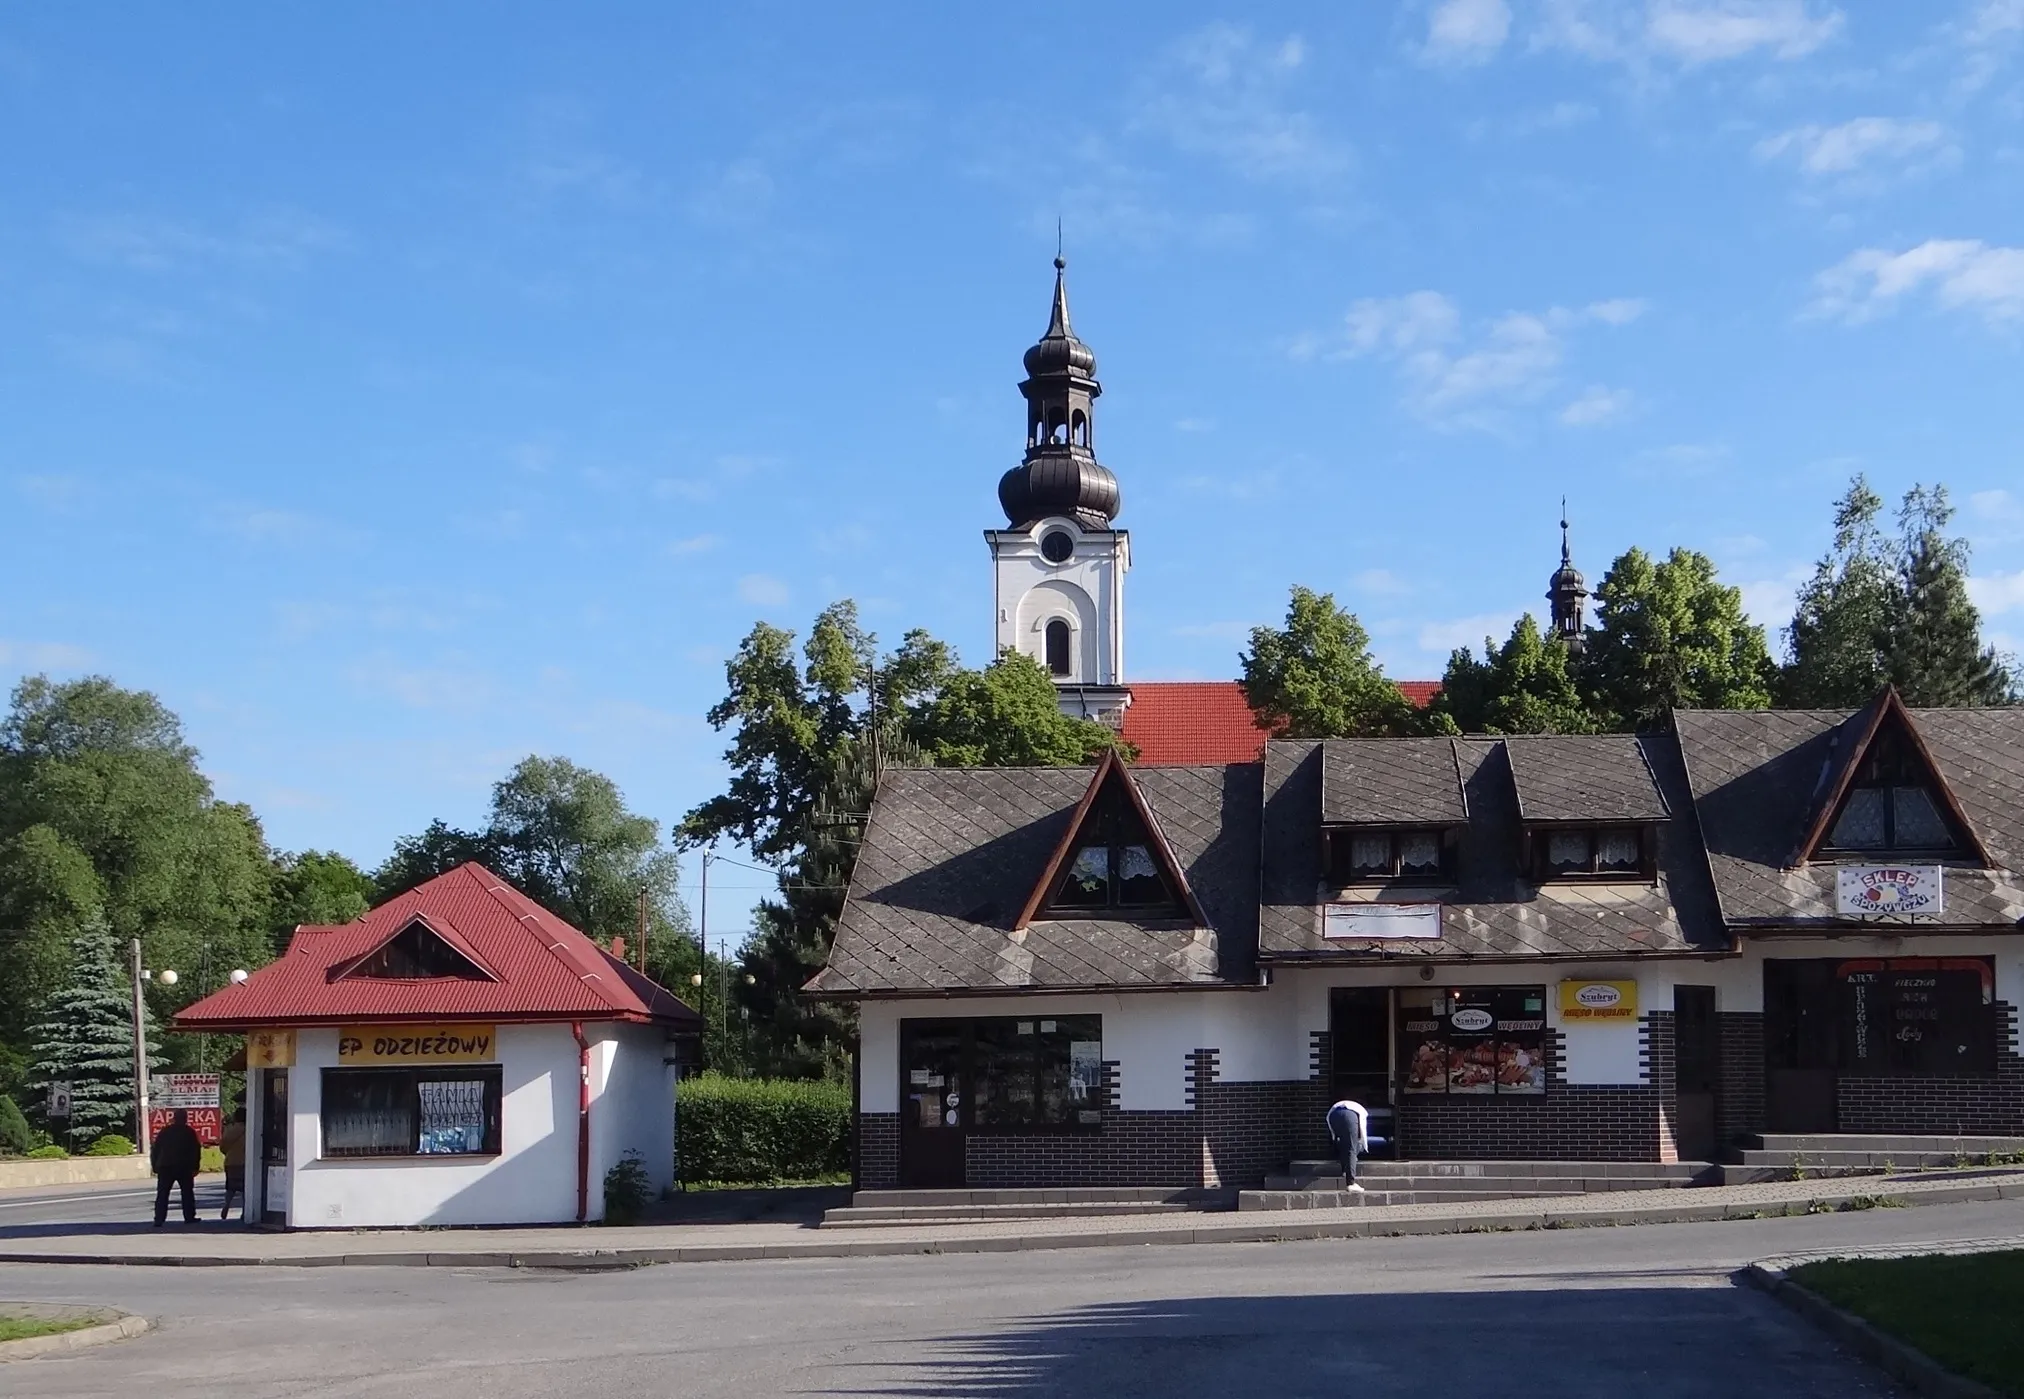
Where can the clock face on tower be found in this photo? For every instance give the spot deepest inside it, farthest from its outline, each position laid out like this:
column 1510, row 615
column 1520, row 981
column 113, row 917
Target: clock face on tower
column 1056, row 546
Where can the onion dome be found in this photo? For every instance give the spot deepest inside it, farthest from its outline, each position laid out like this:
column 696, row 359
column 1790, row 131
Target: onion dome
column 1566, row 591
column 1060, row 474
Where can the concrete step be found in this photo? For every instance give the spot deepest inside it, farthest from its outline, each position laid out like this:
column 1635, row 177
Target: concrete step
column 1333, row 1199
column 1884, row 1144
column 1629, row 1170
column 1462, row 1185
column 1899, row 1160
column 849, row 1217
column 1064, row 1195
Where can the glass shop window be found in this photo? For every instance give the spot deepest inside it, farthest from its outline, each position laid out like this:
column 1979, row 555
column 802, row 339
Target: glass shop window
column 1015, row 1073
column 411, row 1112
column 1476, row 1041
column 1917, row 1017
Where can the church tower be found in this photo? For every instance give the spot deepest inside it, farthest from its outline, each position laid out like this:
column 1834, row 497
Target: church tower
column 1567, row 591
column 1059, row 568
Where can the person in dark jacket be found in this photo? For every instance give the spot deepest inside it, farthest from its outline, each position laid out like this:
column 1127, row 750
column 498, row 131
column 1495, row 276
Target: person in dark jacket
column 175, row 1156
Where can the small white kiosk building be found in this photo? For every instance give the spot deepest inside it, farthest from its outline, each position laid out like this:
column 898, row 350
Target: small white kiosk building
column 458, row 1055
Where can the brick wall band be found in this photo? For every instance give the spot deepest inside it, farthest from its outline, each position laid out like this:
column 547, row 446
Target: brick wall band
column 1979, row 1106
column 1739, row 1095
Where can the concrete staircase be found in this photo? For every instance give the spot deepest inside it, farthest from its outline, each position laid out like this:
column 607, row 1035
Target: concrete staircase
column 1318, row 1185
column 886, row 1208
column 1793, row 1156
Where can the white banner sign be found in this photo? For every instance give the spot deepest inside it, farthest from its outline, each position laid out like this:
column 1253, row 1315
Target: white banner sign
column 1353, row 922
column 183, row 1091
column 1887, row 891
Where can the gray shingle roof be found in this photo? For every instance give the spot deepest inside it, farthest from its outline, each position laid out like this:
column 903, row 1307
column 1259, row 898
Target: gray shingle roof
column 950, row 855
column 1491, row 910
column 1584, row 777
column 1391, row 781
column 1758, row 774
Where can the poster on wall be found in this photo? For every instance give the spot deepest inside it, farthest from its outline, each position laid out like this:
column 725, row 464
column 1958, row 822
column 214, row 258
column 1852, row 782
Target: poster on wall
column 1473, row 1041
column 194, row 1094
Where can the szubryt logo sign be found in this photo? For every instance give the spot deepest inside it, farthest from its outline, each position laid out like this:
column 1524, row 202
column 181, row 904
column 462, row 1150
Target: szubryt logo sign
column 1884, row 891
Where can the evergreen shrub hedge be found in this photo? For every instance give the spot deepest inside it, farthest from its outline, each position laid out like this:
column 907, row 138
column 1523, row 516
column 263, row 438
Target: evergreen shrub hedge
column 742, row 1129
column 111, row 1144
column 16, row 1136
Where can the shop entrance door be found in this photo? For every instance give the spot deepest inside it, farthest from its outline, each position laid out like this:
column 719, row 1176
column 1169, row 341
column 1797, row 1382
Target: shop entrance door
column 1698, row 1064
column 1799, row 1046
column 931, row 1105
column 274, row 1179
column 1359, row 1042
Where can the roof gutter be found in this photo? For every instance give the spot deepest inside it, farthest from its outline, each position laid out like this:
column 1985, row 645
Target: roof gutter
column 582, row 1122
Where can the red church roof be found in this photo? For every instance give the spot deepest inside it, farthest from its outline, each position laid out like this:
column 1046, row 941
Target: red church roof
column 528, row 965
column 1177, row 722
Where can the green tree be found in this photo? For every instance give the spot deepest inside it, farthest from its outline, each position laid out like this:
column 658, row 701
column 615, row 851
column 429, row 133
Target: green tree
column 104, row 814
column 1315, row 677
column 1891, row 611
column 1006, row 715
column 1525, row 686
column 316, row 888
column 1669, row 635
column 1937, row 658
column 85, row 1039
column 563, row 835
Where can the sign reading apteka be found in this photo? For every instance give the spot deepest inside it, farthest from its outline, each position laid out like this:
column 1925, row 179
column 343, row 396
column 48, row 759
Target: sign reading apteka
column 417, row 1044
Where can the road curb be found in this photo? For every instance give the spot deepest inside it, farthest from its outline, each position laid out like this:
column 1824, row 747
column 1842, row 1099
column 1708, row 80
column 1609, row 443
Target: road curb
column 1266, row 1227
column 1906, row 1364
column 117, row 1329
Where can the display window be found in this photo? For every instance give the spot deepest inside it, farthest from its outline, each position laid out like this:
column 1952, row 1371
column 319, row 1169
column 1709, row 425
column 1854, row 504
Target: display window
column 1476, row 1041
column 1914, row 1017
column 411, row 1112
column 1006, row 1074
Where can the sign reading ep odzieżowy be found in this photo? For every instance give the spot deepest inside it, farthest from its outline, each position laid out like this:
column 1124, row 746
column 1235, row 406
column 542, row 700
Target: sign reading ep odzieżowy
column 416, row 1044
column 195, row 1094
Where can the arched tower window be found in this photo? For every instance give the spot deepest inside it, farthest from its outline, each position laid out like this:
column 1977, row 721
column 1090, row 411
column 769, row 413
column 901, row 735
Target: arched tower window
column 1059, row 639
column 1078, row 430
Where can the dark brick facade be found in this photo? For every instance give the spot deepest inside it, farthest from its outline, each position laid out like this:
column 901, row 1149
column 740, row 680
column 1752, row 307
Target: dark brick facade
column 878, row 1150
column 1739, row 1093
column 1986, row 1107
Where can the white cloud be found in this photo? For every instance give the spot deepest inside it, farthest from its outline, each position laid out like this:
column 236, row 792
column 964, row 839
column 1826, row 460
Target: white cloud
column 1442, row 637
column 1997, row 593
column 1769, row 601
column 763, row 590
column 1467, row 31
column 739, row 195
column 694, row 544
column 1222, row 92
column 43, row 655
column 281, row 237
column 1988, row 37
column 1686, row 32
column 1194, row 425
column 1864, row 143
column 1963, row 274
column 1597, row 405
column 1456, row 375
column 1382, row 581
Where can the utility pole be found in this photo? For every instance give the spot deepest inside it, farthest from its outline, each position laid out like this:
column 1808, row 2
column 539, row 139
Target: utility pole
column 140, row 1047
column 643, row 930
column 703, row 957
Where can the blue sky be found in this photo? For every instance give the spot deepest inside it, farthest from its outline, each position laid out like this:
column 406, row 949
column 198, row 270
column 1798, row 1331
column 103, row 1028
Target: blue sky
column 400, row 390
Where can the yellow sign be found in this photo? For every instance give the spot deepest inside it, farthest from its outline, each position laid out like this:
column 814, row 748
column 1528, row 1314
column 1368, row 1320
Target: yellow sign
column 417, row 1044
column 270, row 1049
column 1598, row 1000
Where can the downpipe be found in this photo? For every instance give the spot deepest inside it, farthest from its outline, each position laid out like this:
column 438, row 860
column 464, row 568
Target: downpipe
column 582, row 1122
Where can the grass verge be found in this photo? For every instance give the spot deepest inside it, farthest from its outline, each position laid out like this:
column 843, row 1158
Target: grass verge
column 780, row 1183
column 1961, row 1310
column 20, row 1328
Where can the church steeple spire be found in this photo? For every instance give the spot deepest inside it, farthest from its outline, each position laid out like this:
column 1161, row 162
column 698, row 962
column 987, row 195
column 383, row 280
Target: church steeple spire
column 1567, row 591
column 1060, row 474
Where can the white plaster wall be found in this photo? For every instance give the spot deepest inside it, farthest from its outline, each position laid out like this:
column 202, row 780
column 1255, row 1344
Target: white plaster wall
column 531, row 1181
column 1088, row 587
column 632, row 1106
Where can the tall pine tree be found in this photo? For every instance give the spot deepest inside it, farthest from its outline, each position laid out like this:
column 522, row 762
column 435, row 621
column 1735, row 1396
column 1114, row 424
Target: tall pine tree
column 1937, row 658
column 85, row 1039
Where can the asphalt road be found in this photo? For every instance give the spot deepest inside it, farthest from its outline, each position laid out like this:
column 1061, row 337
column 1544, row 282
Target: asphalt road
column 1650, row 1312
column 118, row 1202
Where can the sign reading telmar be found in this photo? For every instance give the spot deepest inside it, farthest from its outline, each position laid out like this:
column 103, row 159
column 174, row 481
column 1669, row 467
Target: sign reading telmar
column 416, row 1044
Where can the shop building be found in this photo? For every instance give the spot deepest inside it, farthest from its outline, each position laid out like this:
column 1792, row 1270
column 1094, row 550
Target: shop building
column 1594, row 948
column 457, row 1056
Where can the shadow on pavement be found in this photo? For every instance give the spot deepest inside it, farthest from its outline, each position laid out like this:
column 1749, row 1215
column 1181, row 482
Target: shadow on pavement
column 792, row 1205
column 1553, row 1344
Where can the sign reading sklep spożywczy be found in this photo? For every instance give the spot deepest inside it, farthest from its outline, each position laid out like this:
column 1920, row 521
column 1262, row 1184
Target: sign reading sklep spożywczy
column 416, row 1044
column 1883, row 891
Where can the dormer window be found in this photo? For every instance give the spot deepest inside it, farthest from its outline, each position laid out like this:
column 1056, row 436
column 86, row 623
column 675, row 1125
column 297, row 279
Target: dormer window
column 1114, row 866
column 1574, row 852
column 416, row 953
column 1380, row 856
column 1889, row 806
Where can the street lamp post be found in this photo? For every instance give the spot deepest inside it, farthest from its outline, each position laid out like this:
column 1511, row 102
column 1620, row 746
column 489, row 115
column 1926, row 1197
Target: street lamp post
column 141, row 1039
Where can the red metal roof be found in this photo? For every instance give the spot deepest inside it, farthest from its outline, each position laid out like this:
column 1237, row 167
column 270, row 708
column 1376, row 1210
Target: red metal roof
column 544, row 969
column 1178, row 722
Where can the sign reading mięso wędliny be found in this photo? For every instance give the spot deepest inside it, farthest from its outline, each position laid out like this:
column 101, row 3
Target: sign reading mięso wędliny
column 416, row 1044
column 1887, row 891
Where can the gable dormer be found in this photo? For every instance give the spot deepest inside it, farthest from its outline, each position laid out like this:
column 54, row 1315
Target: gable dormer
column 1113, row 861
column 418, row 951
column 1392, row 811
column 1881, row 795
column 1589, row 807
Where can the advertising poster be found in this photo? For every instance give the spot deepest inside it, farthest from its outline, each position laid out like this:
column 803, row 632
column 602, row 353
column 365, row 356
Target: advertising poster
column 195, row 1094
column 1591, row 1002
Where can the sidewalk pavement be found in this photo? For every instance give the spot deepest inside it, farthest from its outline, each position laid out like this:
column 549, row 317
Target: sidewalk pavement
column 215, row 1245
